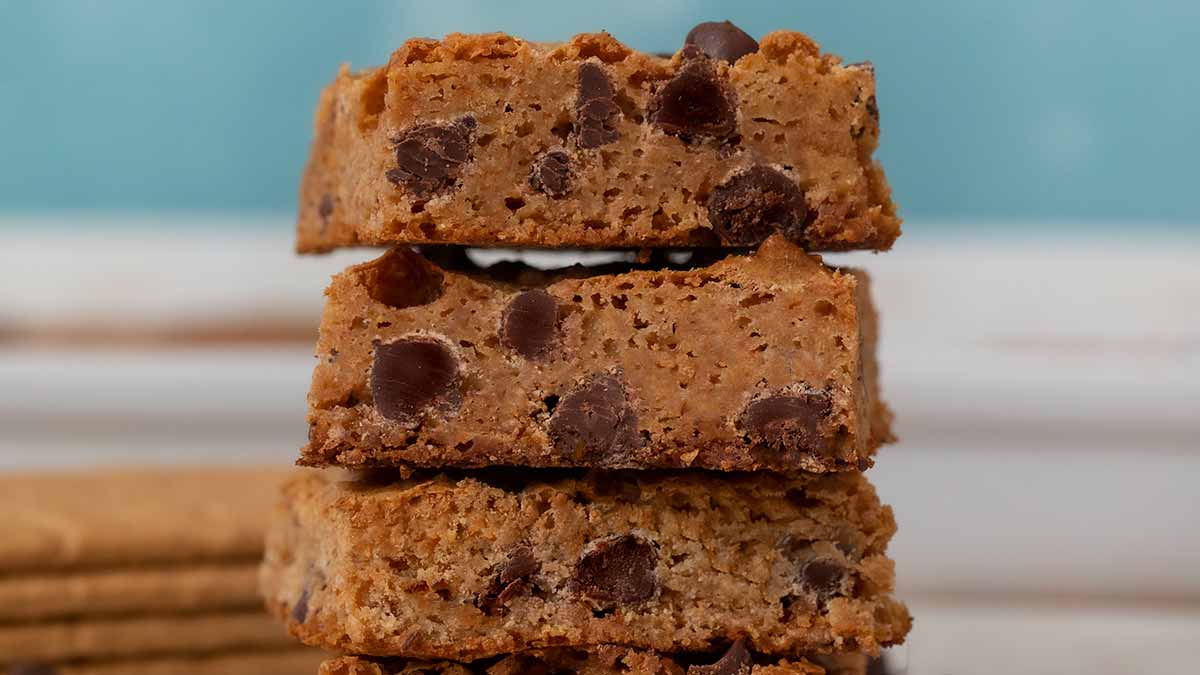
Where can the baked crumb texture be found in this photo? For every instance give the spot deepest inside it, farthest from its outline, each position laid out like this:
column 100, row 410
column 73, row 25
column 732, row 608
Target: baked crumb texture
column 763, row 360
column 491, row 140
column 607, row 660
column 493, row 562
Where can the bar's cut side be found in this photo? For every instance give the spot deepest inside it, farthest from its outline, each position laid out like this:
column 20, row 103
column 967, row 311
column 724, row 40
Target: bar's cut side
column 494, row 562
column 757, row 361
column 606, row 660
column 492, row 140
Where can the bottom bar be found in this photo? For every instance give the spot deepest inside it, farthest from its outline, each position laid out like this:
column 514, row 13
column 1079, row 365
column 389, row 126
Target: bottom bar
column 477, row 565
column 606, row 660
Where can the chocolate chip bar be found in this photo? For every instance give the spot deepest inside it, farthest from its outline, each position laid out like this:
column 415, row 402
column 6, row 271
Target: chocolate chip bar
column 492, row 140
column 756, row 361
column 606, row 660
column 493, row 562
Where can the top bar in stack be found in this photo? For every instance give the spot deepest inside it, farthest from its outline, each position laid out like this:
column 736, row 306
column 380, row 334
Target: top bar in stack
column 491, row 140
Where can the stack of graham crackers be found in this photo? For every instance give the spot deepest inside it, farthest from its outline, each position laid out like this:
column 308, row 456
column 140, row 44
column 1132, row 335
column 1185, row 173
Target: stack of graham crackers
column 148, row 572
column 651, row 465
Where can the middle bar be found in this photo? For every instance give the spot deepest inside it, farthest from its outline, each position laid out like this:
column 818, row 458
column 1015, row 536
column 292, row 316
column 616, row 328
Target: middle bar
column 760, row 361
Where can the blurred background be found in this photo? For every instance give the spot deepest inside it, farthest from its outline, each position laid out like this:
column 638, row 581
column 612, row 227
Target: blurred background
column 1041, row 314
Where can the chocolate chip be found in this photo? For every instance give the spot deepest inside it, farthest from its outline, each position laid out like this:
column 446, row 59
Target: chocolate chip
column 325, row 207
column 402, row 278
column 822, row 578
column 596, row 107
column 736, row 661
column 412, row 375
column 788, row 422
column 752, row 205
column 430, row 157
column 530, row 323
column 873, row 107
column 620, row 569
column 594, row 422
column 31, row 668
column 300, row 609
column 695, row 103
column 721, row 40
column 551, row 174
column 511, row 579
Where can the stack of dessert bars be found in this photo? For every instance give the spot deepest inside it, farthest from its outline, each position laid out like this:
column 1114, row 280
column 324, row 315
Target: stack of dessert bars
column 650, row 465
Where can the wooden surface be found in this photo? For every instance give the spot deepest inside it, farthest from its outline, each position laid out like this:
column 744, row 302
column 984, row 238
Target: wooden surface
column 1046, row 389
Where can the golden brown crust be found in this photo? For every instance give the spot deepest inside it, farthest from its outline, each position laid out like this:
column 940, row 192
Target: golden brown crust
column 797, row 110
column 415, row 568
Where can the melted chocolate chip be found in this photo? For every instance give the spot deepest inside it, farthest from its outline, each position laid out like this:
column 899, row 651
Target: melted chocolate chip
column 787, row 422
column 873, row 107
column 818, row 577
column 430, row 157
column 325, row 207
column 402, row 278
column 596, row 107
column 695, row 103
column 594, row 422
column 736, row 661
column 821, row 579
column 620, row 569
column 551, row 174
column 752, row 205
column 530, row 324
column 721, row 40
column 412, row 375
column 512, row 578
column 300, row 609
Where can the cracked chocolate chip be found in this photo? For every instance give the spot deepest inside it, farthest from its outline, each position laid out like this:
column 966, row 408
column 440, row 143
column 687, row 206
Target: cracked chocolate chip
column 551, row 174
column 594, row 422
column 512, row 578
column 412, row 375
column 530, row 324
column 788, row 421
column 721, row 40
column 300, row 609
column 621, row 569
column 736, row 661
column 695, row 103
column 750, row 206
column 596, row 107
column 31, row 668
column 402, row 278
column 430, row 157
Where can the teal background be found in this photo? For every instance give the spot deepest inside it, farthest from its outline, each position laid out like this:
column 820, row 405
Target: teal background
column 1053, row 110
